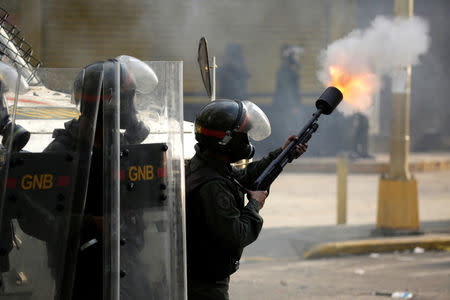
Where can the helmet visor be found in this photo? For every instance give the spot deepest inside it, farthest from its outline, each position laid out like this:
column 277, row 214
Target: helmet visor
column 146, row 82
column 256, row 124
column 144, row 76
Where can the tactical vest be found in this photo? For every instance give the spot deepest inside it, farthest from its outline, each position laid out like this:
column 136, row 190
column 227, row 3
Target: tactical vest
column 206, row 260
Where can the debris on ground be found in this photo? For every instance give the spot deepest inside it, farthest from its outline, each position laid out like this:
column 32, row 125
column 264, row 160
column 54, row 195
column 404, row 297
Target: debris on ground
column 397, row 295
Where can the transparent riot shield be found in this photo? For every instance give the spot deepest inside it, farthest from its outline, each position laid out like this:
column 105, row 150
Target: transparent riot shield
column 144, row 172
column 112, row 84
column 44, row 182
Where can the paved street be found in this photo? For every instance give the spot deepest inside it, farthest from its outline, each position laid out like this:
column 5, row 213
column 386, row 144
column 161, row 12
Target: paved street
column 309, row 199
column 426, row 275
column 301, row 212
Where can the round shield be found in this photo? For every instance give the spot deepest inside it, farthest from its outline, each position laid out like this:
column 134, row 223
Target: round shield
column 203, row 62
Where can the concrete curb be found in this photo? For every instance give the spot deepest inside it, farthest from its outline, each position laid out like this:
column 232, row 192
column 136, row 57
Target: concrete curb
column 380, row 165
column 377, row 245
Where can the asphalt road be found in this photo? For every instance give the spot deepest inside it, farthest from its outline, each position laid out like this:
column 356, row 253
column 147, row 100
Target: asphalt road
column 309, row 199
column 425, row 275
column 301, row 211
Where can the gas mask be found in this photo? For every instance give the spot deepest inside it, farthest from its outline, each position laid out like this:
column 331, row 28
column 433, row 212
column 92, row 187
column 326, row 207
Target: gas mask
column 141, row 77
column 124, row 73
column 240, row 147
column 136, row 131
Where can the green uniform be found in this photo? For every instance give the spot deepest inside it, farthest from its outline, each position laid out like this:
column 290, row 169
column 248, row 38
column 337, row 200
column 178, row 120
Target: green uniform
column 218, row 223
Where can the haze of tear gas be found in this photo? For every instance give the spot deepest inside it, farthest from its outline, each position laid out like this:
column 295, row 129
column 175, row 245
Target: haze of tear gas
column 356, row 63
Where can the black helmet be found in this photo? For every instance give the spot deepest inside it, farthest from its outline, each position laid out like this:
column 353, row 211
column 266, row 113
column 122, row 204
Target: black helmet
column 89, row 83
column 226, row 125
column 88, row 89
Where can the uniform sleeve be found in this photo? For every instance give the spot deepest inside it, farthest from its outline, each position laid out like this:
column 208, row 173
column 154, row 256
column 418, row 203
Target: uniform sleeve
column 231, row 227
column 248, row 175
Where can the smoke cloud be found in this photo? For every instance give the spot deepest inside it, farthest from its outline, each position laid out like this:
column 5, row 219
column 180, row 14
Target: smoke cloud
column 375, row 51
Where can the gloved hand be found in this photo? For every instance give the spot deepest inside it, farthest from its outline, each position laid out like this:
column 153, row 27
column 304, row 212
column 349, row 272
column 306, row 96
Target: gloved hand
column 259, row 196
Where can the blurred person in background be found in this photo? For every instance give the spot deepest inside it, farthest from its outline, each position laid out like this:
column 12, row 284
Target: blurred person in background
column 286, row 107
column 233, row 75
column 360, row 135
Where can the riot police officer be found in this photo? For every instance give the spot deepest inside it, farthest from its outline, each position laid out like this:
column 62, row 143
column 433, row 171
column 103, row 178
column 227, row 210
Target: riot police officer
column 218, row 222
column 233, row 75
column 89, row 93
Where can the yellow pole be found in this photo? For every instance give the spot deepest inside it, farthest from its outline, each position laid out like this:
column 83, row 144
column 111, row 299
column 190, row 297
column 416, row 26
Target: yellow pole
column 399, row 151
column 397, row 193
column 342, row 171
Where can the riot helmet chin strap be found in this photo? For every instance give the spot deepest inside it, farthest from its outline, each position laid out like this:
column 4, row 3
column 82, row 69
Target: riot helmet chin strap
column 239, row 147
column 226, row 139
column 235, row 127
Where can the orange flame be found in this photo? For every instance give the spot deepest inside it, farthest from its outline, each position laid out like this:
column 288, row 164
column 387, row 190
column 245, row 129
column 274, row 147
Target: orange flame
column 356, row 88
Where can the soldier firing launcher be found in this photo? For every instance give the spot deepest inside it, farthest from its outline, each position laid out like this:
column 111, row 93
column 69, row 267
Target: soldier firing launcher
column 326, row 103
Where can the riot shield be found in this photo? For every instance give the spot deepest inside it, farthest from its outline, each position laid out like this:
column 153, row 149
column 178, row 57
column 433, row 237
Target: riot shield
column 43, row 189
column 144, row 246
column 112, row 84
column 203, row 63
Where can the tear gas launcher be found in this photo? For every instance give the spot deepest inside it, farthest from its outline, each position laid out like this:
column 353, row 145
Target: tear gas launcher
column 326, row 103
